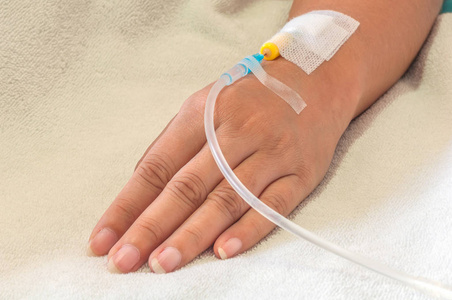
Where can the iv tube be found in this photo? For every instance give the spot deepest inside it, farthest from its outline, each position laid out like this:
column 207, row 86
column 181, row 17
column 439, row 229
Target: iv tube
column 427, row 286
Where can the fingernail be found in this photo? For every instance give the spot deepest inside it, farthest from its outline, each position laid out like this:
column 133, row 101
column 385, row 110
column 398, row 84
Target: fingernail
column 102, row 242
column 231, row 247
column 90, row 252
column 166, row 261
column 124, row 260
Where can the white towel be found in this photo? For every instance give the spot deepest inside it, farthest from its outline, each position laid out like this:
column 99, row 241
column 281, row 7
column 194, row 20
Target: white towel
column 85, row 86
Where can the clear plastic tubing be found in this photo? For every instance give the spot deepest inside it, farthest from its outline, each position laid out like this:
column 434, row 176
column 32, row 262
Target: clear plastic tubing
column 427, row 286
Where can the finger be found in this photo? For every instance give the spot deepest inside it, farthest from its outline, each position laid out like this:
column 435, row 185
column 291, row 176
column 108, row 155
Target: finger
column 221, row 209
column 181, row 197
column 155, row 141
column 282, row 196
column 173, row 149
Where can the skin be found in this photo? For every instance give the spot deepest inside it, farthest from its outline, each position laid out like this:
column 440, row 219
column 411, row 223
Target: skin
column 177, row 199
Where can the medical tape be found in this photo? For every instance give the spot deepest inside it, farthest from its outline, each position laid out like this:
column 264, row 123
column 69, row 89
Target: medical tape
column 310, row 39
column 286, row 93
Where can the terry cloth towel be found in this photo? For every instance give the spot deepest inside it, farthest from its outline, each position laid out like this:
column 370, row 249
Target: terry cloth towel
column 85, row 86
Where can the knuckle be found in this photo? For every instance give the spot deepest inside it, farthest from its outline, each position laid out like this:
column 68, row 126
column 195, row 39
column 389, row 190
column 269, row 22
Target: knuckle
column 151, row 228
column 250, row 124
column 278, row 203
column 190, row 189
column 224, row 102
column 306, row 175
column 282, row 142
column 239, row 117
column 284, row 139
column 244, row 127
column 256, row 227
column 195, row 104
column 227, row 201
column 155, row 170
column 127, row 209
column 194, row 233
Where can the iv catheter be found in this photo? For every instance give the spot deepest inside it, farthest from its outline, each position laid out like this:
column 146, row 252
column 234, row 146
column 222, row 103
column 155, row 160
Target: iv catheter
column 252, row 64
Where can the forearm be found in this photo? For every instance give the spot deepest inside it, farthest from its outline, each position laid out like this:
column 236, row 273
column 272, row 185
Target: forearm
column 378, row 53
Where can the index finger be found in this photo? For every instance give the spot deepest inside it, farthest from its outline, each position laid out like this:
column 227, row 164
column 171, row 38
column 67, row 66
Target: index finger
column 182, row 139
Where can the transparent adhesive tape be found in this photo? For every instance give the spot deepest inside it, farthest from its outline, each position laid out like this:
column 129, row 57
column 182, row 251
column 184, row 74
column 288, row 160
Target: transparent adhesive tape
column 251, row 64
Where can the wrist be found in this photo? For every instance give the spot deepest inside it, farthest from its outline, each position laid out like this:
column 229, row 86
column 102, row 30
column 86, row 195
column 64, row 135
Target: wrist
column 331, row 92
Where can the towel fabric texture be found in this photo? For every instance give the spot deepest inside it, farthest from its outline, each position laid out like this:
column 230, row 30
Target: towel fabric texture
column 85, row 86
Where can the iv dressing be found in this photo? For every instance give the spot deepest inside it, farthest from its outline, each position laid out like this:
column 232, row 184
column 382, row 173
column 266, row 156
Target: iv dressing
column 312, row 38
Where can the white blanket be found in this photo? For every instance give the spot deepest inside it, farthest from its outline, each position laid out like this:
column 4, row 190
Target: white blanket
column 85, row 86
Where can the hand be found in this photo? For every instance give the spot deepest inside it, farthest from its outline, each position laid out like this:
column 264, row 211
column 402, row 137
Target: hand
column 177, row 203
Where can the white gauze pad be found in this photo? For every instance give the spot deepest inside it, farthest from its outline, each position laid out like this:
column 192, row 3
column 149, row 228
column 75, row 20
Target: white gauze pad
column 312, row 38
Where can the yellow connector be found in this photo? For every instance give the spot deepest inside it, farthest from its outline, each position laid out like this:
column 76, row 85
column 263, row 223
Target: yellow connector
column 270, row 51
